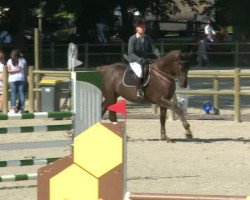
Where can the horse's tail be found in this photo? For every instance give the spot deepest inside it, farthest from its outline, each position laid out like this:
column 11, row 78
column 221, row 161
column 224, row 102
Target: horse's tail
column 102, row 69
column 98, row 69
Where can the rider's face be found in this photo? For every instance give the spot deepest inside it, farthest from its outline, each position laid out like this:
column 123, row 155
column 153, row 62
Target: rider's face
column 141, row 29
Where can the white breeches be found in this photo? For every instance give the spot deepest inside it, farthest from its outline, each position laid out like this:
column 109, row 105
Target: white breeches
column 136, row 67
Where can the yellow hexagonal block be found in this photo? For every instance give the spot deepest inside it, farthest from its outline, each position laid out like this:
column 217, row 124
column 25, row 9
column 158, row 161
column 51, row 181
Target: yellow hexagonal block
column 98, row 150
column 73, row 183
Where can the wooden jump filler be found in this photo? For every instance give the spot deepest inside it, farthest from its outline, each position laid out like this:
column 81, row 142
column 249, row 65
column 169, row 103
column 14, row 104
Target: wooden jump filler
column 95, row 171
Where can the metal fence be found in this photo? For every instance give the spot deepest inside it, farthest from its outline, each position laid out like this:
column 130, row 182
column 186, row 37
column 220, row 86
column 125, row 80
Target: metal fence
column 55, row 55
column 231, row 54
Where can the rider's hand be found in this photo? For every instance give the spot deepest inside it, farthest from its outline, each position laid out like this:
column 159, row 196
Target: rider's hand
column 142, row 62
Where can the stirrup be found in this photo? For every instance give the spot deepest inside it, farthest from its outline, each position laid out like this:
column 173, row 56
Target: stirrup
column 140, row 93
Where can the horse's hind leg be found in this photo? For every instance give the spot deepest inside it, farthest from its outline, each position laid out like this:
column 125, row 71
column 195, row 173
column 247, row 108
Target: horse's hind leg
column 163, row 113
column 168, row 104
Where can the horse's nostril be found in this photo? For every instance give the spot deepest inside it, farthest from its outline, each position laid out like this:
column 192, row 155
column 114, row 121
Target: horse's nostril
column 183, row 86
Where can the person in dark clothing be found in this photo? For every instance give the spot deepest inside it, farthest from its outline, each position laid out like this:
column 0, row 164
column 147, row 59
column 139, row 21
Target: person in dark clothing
column 139, row 47
column 203, row 48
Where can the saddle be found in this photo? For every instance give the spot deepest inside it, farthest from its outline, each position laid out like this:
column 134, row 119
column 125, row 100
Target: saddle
column 129, row 77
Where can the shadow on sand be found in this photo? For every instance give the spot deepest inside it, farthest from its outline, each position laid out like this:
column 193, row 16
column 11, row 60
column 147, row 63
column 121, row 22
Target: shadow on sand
column 194, row 140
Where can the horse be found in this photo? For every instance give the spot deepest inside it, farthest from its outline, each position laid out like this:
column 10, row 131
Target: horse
column 160, row 89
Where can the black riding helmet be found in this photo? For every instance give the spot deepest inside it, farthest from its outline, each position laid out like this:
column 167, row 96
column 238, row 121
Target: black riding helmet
column 140, row 22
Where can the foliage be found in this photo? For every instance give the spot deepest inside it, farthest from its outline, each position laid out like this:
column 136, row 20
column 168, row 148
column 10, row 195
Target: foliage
column 165, row 8
column 235, row 13
column 22, row 13
column 65, row 15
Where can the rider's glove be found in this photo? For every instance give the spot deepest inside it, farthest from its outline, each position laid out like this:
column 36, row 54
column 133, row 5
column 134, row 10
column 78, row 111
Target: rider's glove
column 142, row 62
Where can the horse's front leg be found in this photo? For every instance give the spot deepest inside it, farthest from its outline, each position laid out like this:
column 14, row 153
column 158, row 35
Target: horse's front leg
column 112, row 116
column 104, row 107
column 106, row 103
column 168, row 104
column 163, row 114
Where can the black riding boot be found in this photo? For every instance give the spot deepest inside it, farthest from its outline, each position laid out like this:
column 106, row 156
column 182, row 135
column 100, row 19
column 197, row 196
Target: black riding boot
column 140, row 93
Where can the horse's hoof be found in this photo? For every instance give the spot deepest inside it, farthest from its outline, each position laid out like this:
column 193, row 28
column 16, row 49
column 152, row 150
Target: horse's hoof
column 163, row 137
column 166, row 138
column 169, row 140
column 189, row 136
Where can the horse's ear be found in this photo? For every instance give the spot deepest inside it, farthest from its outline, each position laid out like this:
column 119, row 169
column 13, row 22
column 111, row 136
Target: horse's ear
column 190, row 54
column 187, row 55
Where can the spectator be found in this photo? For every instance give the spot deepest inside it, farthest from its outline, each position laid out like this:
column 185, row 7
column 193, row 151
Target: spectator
column 17, row 68
column 101, row 27
column 209, row 31
column 19, row 105
column 5, row 37
column 202, row 51
column 2, row 64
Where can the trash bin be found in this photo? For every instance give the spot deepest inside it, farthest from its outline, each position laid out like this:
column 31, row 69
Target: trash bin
column 182, row 99
column 50, row 95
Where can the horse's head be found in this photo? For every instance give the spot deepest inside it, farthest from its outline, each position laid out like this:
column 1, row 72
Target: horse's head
column 176, row 64
column 182, row 69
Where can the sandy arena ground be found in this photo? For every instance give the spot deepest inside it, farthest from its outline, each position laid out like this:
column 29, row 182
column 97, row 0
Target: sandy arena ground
column 216, row 161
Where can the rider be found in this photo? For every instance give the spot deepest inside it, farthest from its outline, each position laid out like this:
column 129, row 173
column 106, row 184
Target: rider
column 139, row 46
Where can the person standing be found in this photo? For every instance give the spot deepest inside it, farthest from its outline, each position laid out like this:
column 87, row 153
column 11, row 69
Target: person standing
column 2, row 65
column 17, row 68
column 209, row 31
column 101, row 27
column 139, row 47
column 203, row 51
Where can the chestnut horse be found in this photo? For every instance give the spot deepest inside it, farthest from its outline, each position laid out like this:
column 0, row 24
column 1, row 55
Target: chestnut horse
column 159, row 90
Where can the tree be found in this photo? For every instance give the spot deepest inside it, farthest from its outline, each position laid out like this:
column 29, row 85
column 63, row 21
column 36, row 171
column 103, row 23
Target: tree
column 160, row 8
column 235, row 13
column 15, row 21
column 87, row 13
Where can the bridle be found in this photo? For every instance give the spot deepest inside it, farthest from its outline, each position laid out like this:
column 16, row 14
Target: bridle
column 163, row 73
column 155, row 68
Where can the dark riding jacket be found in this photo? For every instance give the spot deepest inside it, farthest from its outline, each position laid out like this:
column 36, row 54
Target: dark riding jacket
column 139, row 49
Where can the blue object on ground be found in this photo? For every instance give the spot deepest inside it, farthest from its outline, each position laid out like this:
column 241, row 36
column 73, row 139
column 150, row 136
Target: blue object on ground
column 207, row 107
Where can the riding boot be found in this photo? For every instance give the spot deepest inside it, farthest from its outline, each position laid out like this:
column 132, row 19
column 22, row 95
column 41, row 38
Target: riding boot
column 140, row 93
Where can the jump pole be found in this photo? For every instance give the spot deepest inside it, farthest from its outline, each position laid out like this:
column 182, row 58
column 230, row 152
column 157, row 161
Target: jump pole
column 162, row 196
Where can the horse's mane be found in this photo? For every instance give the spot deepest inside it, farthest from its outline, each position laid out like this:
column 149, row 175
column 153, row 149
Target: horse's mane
column 169, row 58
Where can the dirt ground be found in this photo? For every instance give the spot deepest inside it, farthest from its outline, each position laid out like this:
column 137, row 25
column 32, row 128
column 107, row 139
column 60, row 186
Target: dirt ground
column 216, row 161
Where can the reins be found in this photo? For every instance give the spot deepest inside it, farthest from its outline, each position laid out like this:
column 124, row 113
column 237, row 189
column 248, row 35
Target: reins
column 155, row 68
column 163, row 73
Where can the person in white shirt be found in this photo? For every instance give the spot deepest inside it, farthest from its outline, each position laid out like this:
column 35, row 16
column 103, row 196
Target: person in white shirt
column 209, row 31
column 2, row 65
column 17, row 68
